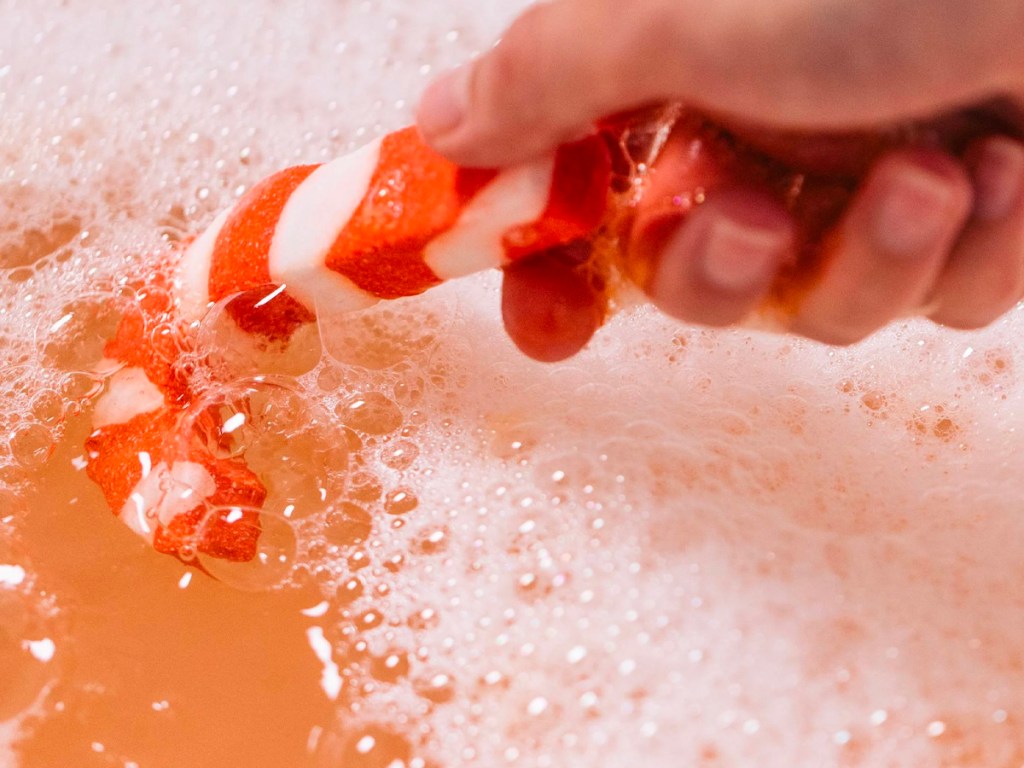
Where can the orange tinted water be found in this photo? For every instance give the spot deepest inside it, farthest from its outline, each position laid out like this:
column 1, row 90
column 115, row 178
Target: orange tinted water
column 156, row 667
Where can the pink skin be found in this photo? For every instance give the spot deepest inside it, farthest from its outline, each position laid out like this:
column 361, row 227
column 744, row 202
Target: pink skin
column 892, row 245
column 720, row 261
column 926, row 233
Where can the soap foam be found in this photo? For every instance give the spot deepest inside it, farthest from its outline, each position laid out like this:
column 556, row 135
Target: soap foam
column 681, row 547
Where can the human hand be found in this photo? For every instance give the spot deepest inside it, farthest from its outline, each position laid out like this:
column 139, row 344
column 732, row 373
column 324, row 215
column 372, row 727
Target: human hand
column 813, row 83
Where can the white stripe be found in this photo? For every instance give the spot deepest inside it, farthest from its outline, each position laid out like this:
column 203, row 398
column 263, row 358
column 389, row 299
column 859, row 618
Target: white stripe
column 163, row 494
column 311, row 221
column 516, row 196
column 130, row 393
column 193, row 281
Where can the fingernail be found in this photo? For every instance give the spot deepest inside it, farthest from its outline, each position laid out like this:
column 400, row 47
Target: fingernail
column 913, row 213
column 738, row 257
column 443, row 106
column 998, row 175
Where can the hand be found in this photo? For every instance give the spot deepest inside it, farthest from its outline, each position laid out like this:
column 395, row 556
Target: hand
column 926, row 232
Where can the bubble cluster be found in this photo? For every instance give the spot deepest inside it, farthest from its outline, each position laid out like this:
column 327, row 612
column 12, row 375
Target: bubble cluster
column 681, row 547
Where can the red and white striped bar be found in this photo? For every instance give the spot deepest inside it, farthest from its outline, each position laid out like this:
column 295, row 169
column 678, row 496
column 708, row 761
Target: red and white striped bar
column 392, row 219
column 389, row 220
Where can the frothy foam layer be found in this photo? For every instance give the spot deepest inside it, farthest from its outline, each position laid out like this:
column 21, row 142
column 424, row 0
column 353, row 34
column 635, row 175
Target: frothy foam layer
column 718, row 549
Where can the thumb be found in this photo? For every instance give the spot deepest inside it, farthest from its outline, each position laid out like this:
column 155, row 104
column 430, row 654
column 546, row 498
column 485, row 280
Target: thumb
column 544, row 83
column 791, row 64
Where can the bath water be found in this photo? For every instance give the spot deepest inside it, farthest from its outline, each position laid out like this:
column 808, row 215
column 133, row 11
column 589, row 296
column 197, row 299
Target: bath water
column 683, row 547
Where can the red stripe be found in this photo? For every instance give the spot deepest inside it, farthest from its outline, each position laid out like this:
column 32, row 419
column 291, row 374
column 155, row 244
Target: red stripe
column 577, row 201
column 241, row 254
column 138, row 343
column 414, row 196
column 113, row 453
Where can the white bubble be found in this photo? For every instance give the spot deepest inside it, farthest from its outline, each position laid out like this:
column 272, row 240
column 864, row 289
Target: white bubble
column 261, row 547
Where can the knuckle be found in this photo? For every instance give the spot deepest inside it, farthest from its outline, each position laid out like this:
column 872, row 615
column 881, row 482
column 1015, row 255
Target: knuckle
column 648, row 52
column 963, row 322
column 966, row 318
column 554, row 64
column 979, row 304
column 654, row 29
column 1006, row 283
column 834, row 334
column 841, row 337
column 516, row 73
column 719, row 312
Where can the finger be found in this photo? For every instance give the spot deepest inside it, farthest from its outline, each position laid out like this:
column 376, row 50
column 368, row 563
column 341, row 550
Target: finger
column 889, row 247
column 985, row 274
column 715, row 265
column 514, row 102
column 564, row 64
column 706, row 244
column 550, row 307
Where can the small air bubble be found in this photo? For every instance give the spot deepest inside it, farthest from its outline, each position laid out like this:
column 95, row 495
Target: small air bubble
column 371, row 413
column 400, row 455
column 537, row 706
column 261, row 546
column 400, row 502
column 32, row 445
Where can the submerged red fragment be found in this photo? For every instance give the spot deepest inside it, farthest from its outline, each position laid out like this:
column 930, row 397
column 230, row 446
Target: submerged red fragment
column 154, row 481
